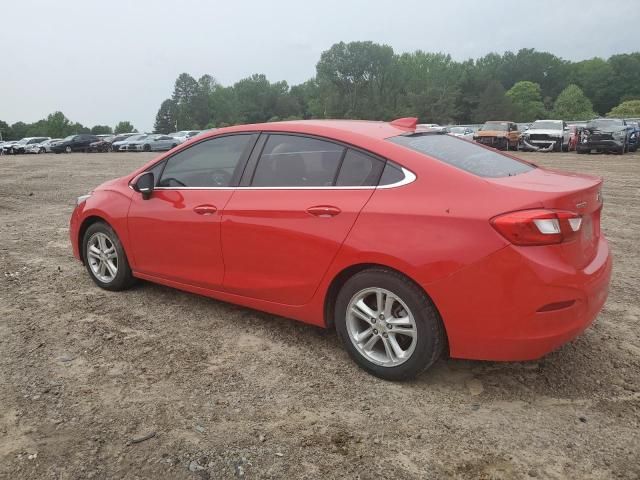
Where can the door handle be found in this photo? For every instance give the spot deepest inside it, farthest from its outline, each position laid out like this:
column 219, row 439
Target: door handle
column 205, row 209
column 324, row 211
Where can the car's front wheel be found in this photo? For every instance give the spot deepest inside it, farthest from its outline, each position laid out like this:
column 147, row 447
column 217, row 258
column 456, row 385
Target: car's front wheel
column 105, row 258
column 388, row 325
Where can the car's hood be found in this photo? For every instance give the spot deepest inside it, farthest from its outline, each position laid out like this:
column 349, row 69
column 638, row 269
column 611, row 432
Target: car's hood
column 606, row 129
column 544, row 131
column 491, row 133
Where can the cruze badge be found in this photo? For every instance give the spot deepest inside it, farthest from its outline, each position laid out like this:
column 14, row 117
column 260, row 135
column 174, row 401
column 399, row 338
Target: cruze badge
column 581, row 205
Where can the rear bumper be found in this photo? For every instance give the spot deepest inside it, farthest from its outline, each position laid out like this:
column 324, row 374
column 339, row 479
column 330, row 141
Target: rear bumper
column 501, row 318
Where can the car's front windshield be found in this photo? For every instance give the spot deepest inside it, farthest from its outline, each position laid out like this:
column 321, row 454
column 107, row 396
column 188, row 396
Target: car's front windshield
column 70, row 137
column 499, row 126
column 461, row 130
column 546, row 125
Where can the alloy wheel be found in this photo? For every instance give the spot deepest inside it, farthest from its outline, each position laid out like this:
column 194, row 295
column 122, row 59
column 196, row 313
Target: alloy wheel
column 381, row 327
column 102, row 257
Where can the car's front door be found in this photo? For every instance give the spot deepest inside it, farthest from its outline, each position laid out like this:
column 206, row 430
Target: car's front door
column 175, row 234
column 285, row 224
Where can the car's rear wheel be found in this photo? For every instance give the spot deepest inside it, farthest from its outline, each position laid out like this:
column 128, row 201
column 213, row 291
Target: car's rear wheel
column 42, row 150
column 105, row 258
column 388, row 325
column 147, row 148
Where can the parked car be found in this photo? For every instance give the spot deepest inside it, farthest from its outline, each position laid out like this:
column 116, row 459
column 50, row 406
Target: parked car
column 498, row 134
column 462, row 132
column 6, row 146
column 153, row 143
column 21, row 145
column 122, row 145
column 604, row 135
column 101, row 145
column 546, row 135
column 42, row 147
column 634, row 135
column 74, row 143
column 373, row 228
column 185, row 135
column 574, row 136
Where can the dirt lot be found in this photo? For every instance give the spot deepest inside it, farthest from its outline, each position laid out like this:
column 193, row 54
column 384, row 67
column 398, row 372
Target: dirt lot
column 234, row 392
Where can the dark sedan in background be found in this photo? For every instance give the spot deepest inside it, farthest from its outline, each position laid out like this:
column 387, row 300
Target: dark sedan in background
column 75, row 143
column 604, row 135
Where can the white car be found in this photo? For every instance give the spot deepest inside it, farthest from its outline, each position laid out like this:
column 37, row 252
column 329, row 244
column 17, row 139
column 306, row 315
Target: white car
column 122, row 145
column 546, row 135
column 184, row 135
column 461, row 132
column 42, row 147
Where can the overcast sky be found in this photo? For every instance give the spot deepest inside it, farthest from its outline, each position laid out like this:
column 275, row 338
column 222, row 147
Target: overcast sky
column 104, row 61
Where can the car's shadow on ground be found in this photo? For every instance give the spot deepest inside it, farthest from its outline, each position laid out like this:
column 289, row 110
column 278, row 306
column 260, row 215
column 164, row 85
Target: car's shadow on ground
column 565, row 373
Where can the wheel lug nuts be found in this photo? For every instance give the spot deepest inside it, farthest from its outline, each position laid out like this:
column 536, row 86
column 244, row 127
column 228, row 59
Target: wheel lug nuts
column 382, row 316
column 385, row 335
column 375, row 332
column 373, row 319
column 389, row 326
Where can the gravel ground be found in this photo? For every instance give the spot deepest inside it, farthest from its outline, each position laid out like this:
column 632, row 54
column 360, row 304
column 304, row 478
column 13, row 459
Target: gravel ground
column 87, row 376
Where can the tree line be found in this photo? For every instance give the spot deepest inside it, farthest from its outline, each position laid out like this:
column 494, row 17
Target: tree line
column 57, row 125
column 366, row 80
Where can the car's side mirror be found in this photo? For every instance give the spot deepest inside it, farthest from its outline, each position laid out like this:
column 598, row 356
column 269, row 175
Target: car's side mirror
column 144, row 185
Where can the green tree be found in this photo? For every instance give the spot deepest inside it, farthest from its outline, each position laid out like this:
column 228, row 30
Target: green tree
column 357, row 79
column 79, row 128
column 526, row 98
column 572, row 104
column 101, row 130
column 628, row 109
column 5, row 131
column 58, row 126
column 166, row 117
column 493, row 104
column 185, row 94
column 19, row 130
column 594, row 77
column 124, row 127
column 430, row 87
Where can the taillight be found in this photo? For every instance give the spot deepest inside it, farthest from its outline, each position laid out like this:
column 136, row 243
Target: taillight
column 538, row 227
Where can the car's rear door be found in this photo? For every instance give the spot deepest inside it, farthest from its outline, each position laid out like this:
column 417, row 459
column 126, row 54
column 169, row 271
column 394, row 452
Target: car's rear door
column 296, row 203
column 175, row 234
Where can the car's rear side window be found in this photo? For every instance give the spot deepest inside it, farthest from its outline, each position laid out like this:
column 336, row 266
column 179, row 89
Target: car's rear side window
column 211, row 163
column 359, row 170
column 462, row 154
column 296, row 161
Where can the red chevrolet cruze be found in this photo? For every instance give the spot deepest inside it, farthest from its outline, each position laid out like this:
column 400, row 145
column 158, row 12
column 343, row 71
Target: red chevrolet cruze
column 410, row 243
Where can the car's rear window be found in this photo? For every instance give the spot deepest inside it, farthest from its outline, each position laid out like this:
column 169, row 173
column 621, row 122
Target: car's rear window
column 462, row 154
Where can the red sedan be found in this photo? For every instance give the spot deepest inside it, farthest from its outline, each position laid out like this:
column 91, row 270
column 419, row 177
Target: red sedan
column 410, row 243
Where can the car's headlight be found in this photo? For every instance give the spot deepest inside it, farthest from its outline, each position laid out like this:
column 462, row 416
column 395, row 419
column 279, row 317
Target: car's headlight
column 83, row 198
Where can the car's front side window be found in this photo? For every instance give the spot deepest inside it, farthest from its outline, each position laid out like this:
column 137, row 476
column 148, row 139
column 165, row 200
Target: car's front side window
column 296, row 161
column 211, row 163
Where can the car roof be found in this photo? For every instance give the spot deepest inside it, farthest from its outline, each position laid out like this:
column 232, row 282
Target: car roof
column 330, row 128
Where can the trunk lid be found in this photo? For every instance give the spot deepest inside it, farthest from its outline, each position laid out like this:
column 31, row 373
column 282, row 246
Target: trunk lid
column 571, row 192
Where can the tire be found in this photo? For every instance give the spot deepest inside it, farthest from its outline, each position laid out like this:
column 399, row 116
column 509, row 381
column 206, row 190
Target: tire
column 147, row 148
column 101, row 236
column 67, row 149
column 582, row 151
column 409, row 304
column 42, row 150
column 174, row 145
